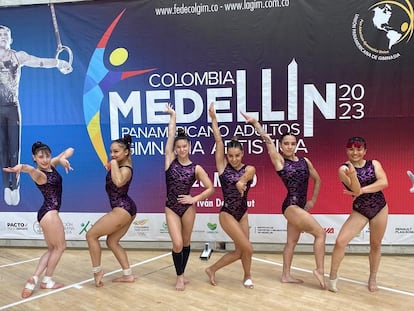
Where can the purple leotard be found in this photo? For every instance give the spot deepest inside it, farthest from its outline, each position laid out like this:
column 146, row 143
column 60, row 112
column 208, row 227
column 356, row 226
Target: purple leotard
column 118, row 196
column 295, row 176
column 179, row 179
column 234, row 203
column 52, row 193
column 368, row 204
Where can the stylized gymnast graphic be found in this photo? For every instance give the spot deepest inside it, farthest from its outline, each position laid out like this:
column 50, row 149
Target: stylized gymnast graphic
column 10, row 127
column 411, row 176
column 99, row 79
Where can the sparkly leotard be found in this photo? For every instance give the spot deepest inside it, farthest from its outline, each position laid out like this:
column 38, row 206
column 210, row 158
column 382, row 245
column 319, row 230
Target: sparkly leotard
column 118, row 196
column 234, row 203
column 368, row 204
column 179, row 179
column 295, row 176
column 52, row 193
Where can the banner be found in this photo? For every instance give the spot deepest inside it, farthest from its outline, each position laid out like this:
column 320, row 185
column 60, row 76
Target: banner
column 324, row 71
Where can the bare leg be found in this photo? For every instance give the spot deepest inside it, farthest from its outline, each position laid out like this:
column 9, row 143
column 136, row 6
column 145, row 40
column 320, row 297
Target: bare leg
column 41, row 266
column 319, row 250
column 293, row 235
column 54, row 234
column 187, row 229
column 239, row 232
column 377, row 227
column 95, row 252
column 300, row 220
column 112, row 242
column 352, row 226
column 180, row 230
column 106, row 225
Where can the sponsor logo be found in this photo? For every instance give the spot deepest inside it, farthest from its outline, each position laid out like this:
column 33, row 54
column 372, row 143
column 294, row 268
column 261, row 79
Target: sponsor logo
column 85, row 226
column 266, row 230
column 141, row 227
column 17, row 226
column 211, row 226
column 164, row 228
column 141, row 222
column 404, row 230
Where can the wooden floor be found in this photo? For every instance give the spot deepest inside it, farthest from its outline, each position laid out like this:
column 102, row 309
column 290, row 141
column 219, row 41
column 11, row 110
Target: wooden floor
column 154, row 288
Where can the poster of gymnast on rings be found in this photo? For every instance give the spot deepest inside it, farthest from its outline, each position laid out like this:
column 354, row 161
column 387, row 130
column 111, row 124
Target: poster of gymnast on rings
column 12, row 59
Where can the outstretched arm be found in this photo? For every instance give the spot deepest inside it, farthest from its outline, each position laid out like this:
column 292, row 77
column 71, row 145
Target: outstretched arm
column 275, row 156
column 219, row 154
column 62, row 159
column 38, row 176
column 26, row 59
column 169, row 147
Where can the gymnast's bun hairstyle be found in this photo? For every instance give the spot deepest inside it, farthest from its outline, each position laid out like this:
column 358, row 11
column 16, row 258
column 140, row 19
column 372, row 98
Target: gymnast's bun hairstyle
column 125, row 141
column 234, row 143
column 39, row 146
column 181, row 135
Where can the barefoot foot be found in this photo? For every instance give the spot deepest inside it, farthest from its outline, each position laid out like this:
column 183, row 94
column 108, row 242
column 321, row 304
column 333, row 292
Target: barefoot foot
column 180, row 286
column 290, row 279
column 320, row 278
column 372, row 285
column 29, row 287
column 211, row 276
column 98, row 278
column 125, row 279
column 51, row 285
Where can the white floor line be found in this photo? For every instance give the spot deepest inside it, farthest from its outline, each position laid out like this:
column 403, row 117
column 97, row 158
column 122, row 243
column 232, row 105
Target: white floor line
column 77, row 285
column 19, row 262
column 343, row 279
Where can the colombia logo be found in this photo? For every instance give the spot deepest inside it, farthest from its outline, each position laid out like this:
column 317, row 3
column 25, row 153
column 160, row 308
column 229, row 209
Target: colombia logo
column 379, row 32
column 99, row 79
